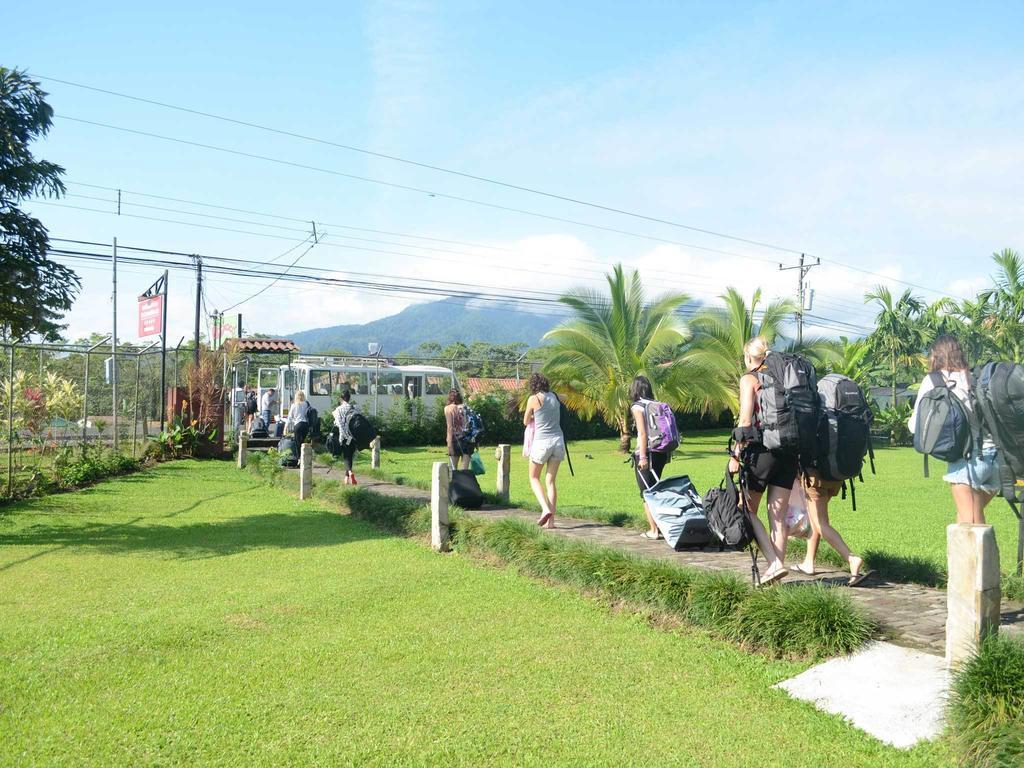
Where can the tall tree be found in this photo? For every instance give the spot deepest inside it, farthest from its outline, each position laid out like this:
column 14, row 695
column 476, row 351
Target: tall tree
column 899, row 334
column 1007, row 299
column 35, row 292
column 719, row 334
column 612, row 338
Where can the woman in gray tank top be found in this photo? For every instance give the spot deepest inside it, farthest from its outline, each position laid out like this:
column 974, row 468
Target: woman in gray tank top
column 548, row 449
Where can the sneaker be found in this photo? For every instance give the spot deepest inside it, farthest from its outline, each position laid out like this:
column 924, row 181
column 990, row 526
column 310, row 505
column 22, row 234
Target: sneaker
column 354, row 480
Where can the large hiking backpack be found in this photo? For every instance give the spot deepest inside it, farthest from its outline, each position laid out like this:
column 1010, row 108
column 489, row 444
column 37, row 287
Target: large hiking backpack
column 998, row 394
column 844, row 430
column 943, row 426
column 728, row 520
column 788, row 405
column 361, row 429
column 662, row 432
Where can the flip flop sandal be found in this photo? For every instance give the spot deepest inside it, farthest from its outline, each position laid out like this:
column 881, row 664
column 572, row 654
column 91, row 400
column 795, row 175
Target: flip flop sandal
column 650, row 536
column 777, row 576
column 800, row 569
column 857, row 580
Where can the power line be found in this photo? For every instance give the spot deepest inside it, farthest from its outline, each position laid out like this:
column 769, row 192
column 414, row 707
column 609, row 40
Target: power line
column 453, row 172
column 429, row 166
column 276, row 279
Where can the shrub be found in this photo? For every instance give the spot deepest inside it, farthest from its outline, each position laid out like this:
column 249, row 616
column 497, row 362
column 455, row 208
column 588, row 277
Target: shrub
column 986, row 708
column 74, row 468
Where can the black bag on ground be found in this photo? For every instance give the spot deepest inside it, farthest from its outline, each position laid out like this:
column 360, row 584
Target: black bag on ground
column 258, row 429
column 362, row 430
column 678, row 512
column 333, row 443
column 286, row 448
column 726, row 517
column 943, row 426
column 788, row 404
column 998, row 394
column 464, row 489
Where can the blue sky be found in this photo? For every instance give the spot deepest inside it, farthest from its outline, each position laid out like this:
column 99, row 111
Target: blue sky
column 885, row 136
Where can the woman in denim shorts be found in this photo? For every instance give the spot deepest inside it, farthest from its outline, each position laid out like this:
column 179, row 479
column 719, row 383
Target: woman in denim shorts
column 973, row 481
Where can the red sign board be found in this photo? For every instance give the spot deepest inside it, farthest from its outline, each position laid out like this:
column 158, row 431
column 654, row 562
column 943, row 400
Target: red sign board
column 151, row 315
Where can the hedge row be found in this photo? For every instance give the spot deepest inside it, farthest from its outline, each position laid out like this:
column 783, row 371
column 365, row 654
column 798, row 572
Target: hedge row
column 808, row 621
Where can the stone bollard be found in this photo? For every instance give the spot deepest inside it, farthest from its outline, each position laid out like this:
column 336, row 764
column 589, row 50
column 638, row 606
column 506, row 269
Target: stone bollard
column 503, row 453
column 439, row 506
column 375, row 453
column 305, row 471
column 972, row 593
column 243, row 449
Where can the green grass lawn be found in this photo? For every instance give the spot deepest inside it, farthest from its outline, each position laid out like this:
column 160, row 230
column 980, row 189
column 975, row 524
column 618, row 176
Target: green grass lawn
column 191, row 615
column 899, row 511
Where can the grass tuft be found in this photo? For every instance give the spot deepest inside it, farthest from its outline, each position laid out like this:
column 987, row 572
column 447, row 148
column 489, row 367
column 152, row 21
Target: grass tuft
column 986, row 708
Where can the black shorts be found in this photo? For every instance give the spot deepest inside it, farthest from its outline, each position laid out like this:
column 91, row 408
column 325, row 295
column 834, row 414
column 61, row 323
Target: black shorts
column 765, row 468
column 652, row 474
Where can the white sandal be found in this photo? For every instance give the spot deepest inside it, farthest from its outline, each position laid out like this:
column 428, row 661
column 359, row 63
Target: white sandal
column 650, row 536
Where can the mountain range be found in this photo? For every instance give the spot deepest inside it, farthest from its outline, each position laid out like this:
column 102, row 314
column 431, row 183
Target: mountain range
column 443, row 322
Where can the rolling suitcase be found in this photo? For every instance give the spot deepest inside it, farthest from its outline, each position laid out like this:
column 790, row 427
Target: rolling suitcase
column 463, row 489
column 678, row 511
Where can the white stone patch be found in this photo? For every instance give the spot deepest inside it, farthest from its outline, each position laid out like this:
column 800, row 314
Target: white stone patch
column 895, row 694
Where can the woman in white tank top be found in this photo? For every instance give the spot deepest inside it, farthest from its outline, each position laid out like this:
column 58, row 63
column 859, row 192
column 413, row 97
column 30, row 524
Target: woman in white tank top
column 548, row 449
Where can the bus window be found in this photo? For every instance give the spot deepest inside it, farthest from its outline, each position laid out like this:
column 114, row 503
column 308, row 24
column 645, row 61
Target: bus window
column 389, row 383
column 320, row 383
column 434, row 384
column 413, row 387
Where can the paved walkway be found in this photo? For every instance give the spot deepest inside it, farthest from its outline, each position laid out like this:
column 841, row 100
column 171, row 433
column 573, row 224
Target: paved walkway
column 910, row 615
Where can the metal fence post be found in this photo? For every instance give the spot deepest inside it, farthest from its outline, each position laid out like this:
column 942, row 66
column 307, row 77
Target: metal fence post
column 135, row 420
column 85, row 400
column 10, row 427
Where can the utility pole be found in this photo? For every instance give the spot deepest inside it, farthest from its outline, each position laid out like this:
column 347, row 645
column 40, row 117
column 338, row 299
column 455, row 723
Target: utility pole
column 199, row 302
column 801, row 294
column 113, row 353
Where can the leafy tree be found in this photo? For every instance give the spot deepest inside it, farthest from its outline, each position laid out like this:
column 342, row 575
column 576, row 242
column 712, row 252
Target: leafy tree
column 854, row 359
column 899, row 334
column 35, row 292
column 719, row 334
column 612, row 338
column 1006, row 324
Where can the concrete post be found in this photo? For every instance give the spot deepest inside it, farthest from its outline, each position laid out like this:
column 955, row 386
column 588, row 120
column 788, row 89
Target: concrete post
column 439, row 506
column 503, row 453
column 305, row 471
column 243, row 448
column 375, row 453
column 973, row 593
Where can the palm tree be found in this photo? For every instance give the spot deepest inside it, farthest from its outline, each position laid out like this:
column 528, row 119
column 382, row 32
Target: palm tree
column 853, row 359
column 899, row 335
column 1007, row 300
column 611, row 339
column 719, row 334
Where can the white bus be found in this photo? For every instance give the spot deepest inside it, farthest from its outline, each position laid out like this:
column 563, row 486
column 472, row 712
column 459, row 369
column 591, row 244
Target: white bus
column 375, row 384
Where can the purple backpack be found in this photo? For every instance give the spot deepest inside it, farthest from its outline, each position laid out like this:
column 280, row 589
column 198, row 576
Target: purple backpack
column 662, row 432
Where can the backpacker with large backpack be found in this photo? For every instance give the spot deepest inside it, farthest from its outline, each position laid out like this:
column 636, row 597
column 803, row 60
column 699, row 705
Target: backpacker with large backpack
column 998, row 394
column 943, row 428
column 788, row 404
column 662, row 431
column 844, row 431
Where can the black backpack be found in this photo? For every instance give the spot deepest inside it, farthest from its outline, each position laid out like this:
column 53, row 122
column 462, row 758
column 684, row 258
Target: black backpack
column 942, row 428
column 788, row 405
column 728, row 520
column 998, row 394
column 333, row 443
column 313, row 419
column 362, row 430
column 844, row 431
column 258, row 428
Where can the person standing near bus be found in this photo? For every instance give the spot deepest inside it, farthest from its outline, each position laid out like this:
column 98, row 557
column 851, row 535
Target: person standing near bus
column 267, row 403
column 298, row 421
column 455, row 428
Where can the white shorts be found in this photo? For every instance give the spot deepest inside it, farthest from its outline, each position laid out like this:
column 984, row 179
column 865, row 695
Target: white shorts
column 543, row 451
